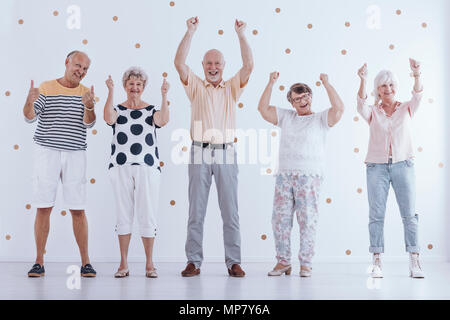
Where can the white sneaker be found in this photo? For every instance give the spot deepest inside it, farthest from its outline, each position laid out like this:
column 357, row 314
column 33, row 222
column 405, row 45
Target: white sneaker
column 376, row 267
column 415, row 270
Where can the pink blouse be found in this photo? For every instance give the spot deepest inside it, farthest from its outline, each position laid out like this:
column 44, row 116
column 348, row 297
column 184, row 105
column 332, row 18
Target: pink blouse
column 393, row 131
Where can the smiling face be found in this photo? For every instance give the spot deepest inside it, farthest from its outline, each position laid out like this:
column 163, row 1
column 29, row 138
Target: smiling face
column 301, row 102
column 387, row 91
column 76, row 68
column 213, row 65
column 134, row 87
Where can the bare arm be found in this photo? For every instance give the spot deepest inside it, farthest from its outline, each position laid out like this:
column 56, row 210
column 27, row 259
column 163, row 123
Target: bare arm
column 28, row 109
column 161, row 118
column 415, row 67
column 268, row 112
column 109, row 114
column 246, row 53
column 183, row 49
column 362, row 73
column 337, row 106
column 89, row 104
column 362, row 106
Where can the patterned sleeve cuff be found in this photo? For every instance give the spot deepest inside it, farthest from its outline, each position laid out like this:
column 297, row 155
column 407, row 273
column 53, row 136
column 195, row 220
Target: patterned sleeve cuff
column 89, row 125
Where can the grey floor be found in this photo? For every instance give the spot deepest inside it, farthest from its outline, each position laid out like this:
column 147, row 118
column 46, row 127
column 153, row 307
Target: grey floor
column 329, row 281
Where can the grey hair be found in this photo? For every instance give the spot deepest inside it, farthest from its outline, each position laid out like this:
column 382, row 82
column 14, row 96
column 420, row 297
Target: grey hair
column 73, row 54
column 384, row 77
column 134, row 72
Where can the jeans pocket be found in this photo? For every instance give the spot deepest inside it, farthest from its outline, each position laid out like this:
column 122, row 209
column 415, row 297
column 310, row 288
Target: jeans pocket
column 370, row 165
column 410, row 162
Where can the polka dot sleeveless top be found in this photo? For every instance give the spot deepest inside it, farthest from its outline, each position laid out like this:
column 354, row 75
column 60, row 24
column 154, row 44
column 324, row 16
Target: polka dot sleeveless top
column 134, row 138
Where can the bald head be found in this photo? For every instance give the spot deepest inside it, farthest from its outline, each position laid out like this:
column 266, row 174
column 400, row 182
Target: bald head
column 77, row 65
column 213, row 65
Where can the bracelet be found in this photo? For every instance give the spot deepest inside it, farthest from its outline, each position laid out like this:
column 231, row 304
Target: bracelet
column 89, row 109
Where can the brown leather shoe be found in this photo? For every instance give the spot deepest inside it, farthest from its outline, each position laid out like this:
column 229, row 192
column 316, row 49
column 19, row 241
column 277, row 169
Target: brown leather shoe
column 190, row 271
column 236, row 271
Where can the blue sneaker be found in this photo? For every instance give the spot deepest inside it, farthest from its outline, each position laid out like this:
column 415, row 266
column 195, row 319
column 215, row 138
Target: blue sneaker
column 87, row 271
column 36, row 271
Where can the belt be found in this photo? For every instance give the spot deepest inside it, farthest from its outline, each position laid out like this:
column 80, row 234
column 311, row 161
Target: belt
column 212, row 145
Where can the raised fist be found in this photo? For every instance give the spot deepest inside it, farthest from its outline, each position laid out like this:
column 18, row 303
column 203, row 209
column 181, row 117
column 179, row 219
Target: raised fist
column 89, row 98
column 110, row 83
column 362, row 72
column 33, row 93
column 192, row 24
column 165, row 87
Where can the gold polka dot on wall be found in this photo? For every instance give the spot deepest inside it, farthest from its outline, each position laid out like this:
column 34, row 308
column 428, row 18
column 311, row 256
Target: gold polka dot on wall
column 356, row 150
column 172, row 202
column 235, row 140
column 348, row 252
column 281, row 88
column 220, row 32
column 45, row 251
column 287, row 50
column 255, row 32
column 55, row 13
column 441, row 165
column 63, row 213
column 269, row 171
column 347, row 24
column 168, row 102
column 164, row 74
column 240, row 105
column 8, row 237
column 171, row 3
column 359, row 190
column 20, row 21
column 430, row 246
column 161, row 164
column 420, row 149
column 309, row 26
column 424, row 25
column 28, row 206
column 343, row 52
column 184, row 149
column 263, row 237
column 137, row 45
column 16, row 147
column 318, row 83
column 115, row 18
column 274, row 133
column 277, row 10
column 391, row 46
column 7, row 93
column 85, row 41
column 92, row 180
column 355, row 118
column 328, row 200
column 94, row 132
column 398, row 12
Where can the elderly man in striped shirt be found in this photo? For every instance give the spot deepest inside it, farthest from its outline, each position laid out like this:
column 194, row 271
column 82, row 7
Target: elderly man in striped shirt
column 64, row 109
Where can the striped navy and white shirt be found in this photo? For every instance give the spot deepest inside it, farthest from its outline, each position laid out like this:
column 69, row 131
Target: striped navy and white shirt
column 60, row 111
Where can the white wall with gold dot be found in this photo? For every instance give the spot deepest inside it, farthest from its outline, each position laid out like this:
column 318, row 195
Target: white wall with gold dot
column 300, row 39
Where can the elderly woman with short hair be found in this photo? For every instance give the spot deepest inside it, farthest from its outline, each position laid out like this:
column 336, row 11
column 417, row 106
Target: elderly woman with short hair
column 301, row 162
column 390, row 161
column 135, row 167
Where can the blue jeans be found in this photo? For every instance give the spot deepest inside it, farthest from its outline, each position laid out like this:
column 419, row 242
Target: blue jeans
column 379, row 177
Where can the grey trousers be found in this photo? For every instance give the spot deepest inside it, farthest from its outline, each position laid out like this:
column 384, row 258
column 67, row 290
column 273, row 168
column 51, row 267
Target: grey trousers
column 220, row 163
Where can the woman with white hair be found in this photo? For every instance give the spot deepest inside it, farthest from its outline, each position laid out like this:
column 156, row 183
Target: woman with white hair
column 390, row 161
column 135, row 167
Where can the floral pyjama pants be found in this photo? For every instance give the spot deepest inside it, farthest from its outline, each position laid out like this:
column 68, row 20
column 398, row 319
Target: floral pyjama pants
column 299, row 193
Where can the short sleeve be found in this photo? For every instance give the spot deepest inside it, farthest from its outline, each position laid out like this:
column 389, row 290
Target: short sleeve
column 154, row 110
column 323, row 118
column 281, row 116
column 414, row 103
column 235, row 84
column 193, row 82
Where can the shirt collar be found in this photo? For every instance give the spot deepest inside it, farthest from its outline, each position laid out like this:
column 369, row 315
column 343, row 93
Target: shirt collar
column 220, row 85
column 380, row 108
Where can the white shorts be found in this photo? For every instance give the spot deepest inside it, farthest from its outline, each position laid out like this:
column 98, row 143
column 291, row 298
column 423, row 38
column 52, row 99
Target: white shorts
column 51, row 166
column 136, row 189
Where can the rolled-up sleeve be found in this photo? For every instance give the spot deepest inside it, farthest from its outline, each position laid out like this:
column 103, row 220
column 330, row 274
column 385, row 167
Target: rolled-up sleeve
column 364, row 109
column 413, row 104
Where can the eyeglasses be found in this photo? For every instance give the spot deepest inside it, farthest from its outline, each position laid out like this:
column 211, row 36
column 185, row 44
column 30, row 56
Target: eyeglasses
column 305, row 96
